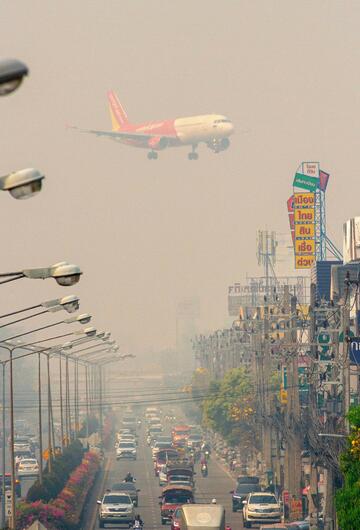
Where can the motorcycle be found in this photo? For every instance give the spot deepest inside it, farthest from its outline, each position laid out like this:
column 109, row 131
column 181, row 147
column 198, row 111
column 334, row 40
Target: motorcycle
column 137, row 525
column 204, row 471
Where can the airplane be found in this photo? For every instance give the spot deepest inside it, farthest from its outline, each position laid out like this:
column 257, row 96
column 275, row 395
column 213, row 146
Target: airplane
column 212, row 129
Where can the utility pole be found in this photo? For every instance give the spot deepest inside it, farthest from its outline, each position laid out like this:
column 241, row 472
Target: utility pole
column 294, row 434
column 312, row 408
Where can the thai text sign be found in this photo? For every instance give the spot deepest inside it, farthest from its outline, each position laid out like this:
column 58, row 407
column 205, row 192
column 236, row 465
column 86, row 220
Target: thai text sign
column 304, row 224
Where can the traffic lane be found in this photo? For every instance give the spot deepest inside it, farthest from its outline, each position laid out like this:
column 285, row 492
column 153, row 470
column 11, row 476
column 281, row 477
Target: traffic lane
column 217, row 485
column 143, row 471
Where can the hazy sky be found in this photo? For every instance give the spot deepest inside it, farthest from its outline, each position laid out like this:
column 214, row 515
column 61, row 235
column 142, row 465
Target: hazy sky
column 147, row 233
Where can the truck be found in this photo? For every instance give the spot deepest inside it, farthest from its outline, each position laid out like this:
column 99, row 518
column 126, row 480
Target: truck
column 180, row 434
column 173, row 496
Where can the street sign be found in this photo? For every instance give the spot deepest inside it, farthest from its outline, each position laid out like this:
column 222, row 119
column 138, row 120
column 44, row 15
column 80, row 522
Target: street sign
column 354, row 350
column 8, row 503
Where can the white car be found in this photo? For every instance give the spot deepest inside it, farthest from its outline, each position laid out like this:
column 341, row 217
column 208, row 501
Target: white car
column 28, row 467
column 261, row 508
column 126, row 450
column 116, row 508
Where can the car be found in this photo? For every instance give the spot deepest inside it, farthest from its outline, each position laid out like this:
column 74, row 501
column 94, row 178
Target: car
column 157, row 446
column 8, row 484
column 241, row 491
column 175, row 520
column 126, row 450
column 116, row 508
column 261, row 508
column 129, row 488
column 28, row 467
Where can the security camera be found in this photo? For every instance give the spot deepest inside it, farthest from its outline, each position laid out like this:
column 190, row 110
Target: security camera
column 12, row 73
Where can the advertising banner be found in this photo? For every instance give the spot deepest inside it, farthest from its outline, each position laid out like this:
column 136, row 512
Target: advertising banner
column 305, row 246
column 304, row 215
column 304, row 230
column 304, row 199
column 311, row 169
column 305, row 182
column 304, row 262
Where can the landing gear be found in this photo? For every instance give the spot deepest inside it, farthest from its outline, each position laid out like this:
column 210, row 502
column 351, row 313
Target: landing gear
column 193, row 155
column 152, row 155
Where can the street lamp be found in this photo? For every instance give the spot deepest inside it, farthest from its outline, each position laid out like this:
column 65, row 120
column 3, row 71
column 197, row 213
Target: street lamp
column 51, row 306
column 12, row 72
column 69, row 303
column 63, row 272
column 82, row 319
column 22, row 184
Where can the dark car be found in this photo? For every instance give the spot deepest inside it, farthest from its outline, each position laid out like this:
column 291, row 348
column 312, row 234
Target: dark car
column 130, row 489
column 8, row 484
column 240, row 493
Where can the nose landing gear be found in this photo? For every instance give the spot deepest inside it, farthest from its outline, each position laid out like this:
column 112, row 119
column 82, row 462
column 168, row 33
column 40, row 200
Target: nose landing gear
column 193, row 155
column 152, row 155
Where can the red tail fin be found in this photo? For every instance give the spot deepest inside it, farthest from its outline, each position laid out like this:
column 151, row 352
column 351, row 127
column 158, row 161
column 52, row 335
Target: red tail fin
column 118, row 115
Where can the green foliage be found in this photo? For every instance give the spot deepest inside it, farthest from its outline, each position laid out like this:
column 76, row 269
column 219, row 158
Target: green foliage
column 348, row 497
column 229, row 408
column 54, row 482
column 93, row 427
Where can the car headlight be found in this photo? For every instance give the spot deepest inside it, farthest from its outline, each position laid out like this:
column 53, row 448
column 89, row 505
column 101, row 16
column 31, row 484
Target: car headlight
column 104, row 509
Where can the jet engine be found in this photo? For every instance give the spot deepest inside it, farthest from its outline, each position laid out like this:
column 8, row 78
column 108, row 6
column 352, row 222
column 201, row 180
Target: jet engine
column 219, row 144
column 158, row 143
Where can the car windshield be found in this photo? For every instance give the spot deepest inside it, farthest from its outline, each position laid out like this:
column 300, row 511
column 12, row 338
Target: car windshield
column 22, row 453
column 117, row 499
column 126, row 445
column 177, row 497
column 262, row 499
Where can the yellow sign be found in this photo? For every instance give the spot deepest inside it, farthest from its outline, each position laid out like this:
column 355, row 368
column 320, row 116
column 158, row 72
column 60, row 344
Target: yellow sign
column 304, row 262
column 304, row 230
column 304, row 200
column 304, row 215
column 283, row 396
column 305, row 246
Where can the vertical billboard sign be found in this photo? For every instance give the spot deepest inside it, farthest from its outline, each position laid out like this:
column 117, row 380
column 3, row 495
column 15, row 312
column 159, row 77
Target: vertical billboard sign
column 304, row 227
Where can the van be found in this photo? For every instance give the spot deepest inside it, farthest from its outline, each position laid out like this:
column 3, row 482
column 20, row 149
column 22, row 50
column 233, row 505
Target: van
column 204, row 516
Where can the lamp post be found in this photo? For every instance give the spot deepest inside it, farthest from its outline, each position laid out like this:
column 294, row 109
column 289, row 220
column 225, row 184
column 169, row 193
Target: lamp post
column 69, row 303
column 82, row 319
column 63, row 272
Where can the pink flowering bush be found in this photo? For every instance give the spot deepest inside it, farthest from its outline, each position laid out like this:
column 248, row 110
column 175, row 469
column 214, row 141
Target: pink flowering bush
column 64, row 512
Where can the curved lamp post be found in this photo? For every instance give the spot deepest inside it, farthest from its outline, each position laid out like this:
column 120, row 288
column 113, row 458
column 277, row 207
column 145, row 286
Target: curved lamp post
column 63, row 272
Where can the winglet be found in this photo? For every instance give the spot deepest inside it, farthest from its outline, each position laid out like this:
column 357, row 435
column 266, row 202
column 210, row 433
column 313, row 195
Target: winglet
column 118, row 115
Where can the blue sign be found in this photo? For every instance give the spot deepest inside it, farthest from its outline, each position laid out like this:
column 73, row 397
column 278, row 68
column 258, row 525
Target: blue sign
column 354, row 350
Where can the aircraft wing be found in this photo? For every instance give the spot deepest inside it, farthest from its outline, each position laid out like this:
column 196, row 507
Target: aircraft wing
column 124, row 135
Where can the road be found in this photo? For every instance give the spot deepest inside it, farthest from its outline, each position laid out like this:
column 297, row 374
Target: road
column 217, row 485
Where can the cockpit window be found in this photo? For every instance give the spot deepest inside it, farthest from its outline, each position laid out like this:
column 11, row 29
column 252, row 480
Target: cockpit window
column 223, row 120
